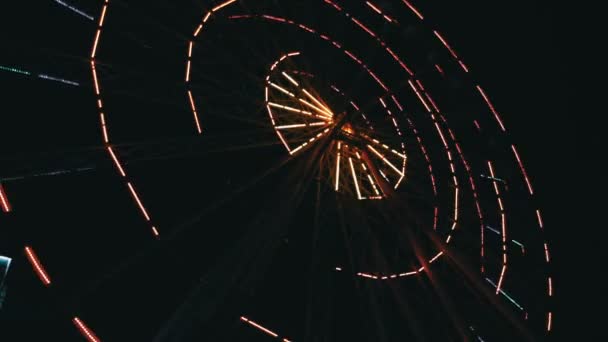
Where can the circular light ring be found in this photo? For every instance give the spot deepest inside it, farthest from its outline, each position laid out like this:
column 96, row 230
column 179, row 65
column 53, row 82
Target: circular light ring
column 418, row 90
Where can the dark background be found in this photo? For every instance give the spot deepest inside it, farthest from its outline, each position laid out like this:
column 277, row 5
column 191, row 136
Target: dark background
column 516, row 51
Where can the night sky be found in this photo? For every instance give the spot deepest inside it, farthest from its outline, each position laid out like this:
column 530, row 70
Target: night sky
column 245, row 230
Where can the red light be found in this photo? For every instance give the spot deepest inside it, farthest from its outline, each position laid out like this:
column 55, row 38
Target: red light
column 84, row 330
column 38, row 268
column 6, row 207
column 413, row 9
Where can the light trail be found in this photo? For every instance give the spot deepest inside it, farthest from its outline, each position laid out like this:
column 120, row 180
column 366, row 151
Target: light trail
column 85, row 331
column 74, row 9
column 37, row 265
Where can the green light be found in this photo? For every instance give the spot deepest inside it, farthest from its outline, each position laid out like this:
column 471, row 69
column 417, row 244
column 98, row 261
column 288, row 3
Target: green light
column 17, row 71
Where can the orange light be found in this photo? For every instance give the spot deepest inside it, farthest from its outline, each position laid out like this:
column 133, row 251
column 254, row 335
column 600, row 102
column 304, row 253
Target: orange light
column 290, row 78
column 94, row 51
column 220, row 6
column 338, row 167
column 291, row 109
column 502, row 275
column 188, row 71
column 321, row 111
column 319, row 103
column 95, row 82
column 283, row 90
column 136, row 197
column 352, row 169
column 290, row 126
column 103, row 15
column 254, row 324
column 116, row 162
column 198, row 29
column 385, row 160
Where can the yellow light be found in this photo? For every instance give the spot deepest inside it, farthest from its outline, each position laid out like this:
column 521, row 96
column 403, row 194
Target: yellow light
column 385, row 160
column 373, row 184
column 338, row 166
column 319, row 103
column 291, row 109
column 290, row 126
column 352, row 169
column 220, row 6
column 283, row 90
column 321, row 111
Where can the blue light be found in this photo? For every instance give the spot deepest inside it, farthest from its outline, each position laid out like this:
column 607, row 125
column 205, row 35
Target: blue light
column 506, row 295
column 74, row 9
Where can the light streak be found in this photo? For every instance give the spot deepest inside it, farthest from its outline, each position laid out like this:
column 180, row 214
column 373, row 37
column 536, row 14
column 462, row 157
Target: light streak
column 523, row 170
column 291, row 126
column 377, row 10
column 283, row 90
column 15, row 70
column 290, row 79
column 74, row 9
column 373, row 184
column 193, row 107
column 352, row 168
column 84, row 330
column 496, row 116
column 319, row 103
column 116, row 162
column 502, row 275
column 439, row 69
column 539, row 218
column 370, row 32
column 51, row 78
column 220, row 6
column 413, row 9
column 338, row 167
column 38, row 268
column 428, row 109
column 435, row 257
column 6, row 206
column 259, row 327
column 452, row 52
column 321, row 111
column 385, row 160
column 136, row 197
column 506, row 295
column 291, row 109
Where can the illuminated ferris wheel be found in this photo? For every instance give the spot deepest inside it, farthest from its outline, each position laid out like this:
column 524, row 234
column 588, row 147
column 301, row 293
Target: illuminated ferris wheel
column 299, row 122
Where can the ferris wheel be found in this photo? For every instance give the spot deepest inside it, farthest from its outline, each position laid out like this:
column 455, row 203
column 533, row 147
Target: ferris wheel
column 290, row 171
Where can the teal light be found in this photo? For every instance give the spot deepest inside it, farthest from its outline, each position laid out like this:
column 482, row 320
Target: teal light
column 17, row 71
